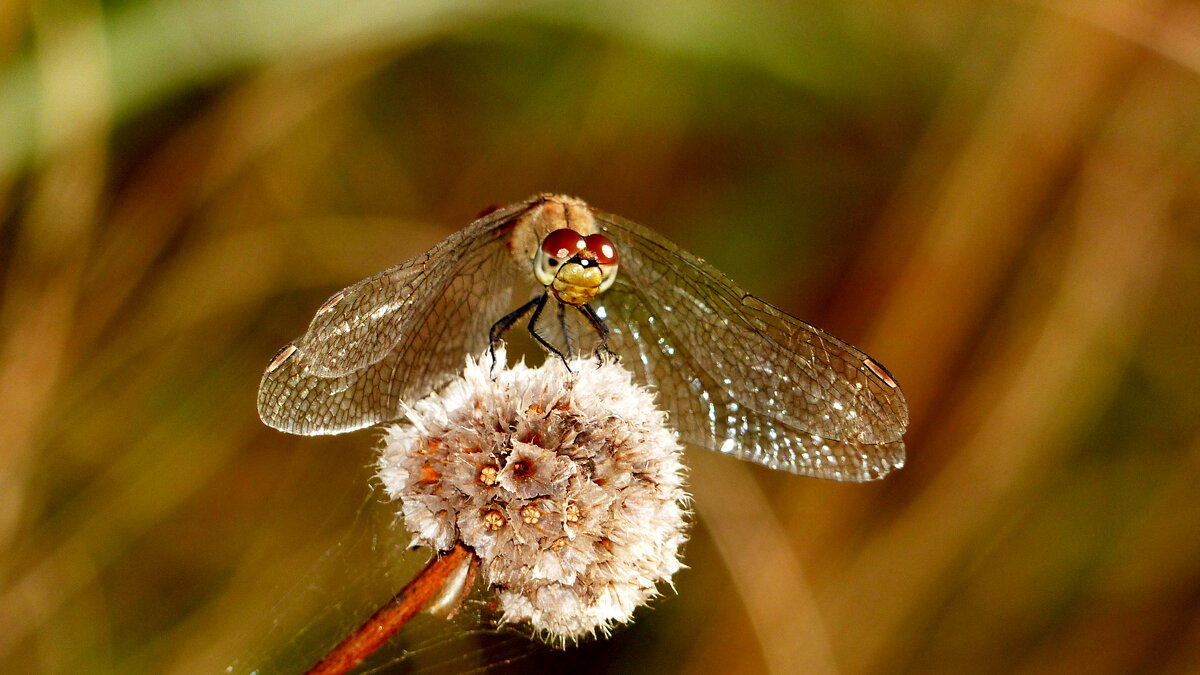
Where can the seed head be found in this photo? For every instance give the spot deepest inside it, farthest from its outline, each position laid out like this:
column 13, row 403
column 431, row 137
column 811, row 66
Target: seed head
column 567, row 484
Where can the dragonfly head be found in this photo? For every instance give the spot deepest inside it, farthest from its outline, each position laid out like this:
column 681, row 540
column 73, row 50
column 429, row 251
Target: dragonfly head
column 576, row 268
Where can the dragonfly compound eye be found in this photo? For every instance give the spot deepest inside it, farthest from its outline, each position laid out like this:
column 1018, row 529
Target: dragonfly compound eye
column 558, row 247
column 604, row 252
column 562, row 244
column 603, row 249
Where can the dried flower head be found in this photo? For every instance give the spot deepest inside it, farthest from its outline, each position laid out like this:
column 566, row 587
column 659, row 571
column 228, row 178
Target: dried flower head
column 567, row 484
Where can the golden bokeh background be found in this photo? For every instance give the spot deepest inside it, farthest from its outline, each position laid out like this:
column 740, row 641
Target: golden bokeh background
column 998, row 200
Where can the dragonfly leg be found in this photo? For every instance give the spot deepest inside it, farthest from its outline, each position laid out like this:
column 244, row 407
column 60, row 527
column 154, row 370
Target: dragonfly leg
column 501, row 327
column 598, row 323
column 537, row 312
column 562, row 322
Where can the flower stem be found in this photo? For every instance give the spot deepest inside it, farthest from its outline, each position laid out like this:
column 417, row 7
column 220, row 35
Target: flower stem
column 393, row 616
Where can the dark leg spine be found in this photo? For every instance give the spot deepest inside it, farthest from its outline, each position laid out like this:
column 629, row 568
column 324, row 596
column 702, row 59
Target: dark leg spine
column 597, row 323
column 537, row 312
column 501, row 327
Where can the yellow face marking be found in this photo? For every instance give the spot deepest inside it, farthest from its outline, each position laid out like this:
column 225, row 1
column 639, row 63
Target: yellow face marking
column 577, row 285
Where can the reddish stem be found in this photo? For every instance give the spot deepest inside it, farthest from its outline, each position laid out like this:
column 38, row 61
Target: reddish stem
column 390, row 618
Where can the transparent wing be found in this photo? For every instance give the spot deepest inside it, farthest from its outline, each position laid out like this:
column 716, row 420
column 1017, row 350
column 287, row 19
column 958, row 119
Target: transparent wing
column 742, row 377
column 394, row 336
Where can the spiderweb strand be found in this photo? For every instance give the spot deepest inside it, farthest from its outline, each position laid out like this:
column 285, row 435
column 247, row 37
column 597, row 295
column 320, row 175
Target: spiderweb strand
column 393, row 616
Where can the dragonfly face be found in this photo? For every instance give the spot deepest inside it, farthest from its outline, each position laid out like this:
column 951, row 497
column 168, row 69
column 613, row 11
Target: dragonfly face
column 736, row 374
column 574, row 267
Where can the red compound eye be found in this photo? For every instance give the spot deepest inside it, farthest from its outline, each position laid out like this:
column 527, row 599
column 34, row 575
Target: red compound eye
column 606, row 253
column 563, row 244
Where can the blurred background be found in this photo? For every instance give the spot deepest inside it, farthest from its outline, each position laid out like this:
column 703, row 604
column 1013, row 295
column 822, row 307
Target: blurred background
column 998, row 200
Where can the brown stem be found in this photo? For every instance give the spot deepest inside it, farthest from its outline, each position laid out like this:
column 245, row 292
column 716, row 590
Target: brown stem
column 390, row 618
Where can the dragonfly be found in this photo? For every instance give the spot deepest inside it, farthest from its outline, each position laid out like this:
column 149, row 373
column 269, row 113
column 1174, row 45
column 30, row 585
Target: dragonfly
column 735, row 374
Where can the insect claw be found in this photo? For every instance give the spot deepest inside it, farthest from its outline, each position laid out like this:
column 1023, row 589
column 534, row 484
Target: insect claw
column 492, row 353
